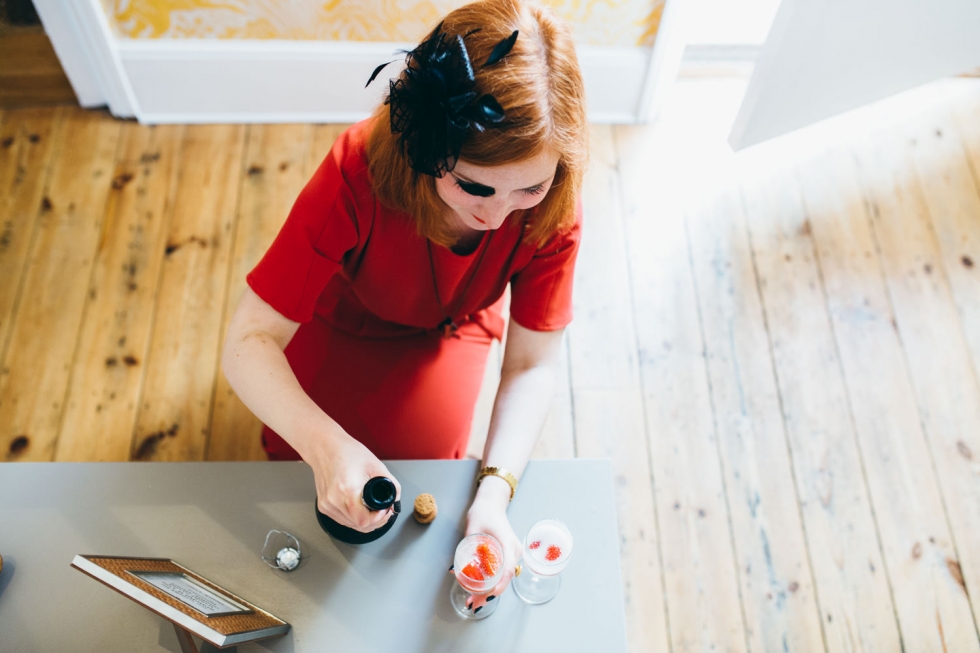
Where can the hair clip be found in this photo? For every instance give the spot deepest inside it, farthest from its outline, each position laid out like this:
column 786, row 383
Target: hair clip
column 434, row 103
column 491, row 109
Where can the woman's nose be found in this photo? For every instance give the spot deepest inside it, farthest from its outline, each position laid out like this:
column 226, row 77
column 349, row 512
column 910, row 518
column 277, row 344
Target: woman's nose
column 495, row 213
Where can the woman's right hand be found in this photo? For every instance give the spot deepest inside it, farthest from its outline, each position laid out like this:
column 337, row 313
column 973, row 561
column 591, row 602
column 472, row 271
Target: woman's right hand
column 341, row 467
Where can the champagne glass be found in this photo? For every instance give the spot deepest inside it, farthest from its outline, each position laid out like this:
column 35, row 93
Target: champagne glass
column 547, row 550
column 478, row 566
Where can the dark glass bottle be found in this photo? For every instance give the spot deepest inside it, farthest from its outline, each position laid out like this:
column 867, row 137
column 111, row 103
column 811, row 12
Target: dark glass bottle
column 378, row 494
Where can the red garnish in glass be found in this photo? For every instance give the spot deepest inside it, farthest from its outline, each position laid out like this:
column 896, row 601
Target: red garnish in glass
column 472, row 571
column 553, row 553
column 488, row 559
column 535, row 544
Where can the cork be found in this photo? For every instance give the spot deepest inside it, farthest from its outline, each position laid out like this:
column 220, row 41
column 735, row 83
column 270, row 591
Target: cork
column 425, row 508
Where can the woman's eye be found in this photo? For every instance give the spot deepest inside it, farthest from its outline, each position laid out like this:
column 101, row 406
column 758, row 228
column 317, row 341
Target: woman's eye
column 474, row 189
column 537, row 190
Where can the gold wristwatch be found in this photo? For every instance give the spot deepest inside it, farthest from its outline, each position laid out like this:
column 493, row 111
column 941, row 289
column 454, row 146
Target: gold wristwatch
column 499, row 472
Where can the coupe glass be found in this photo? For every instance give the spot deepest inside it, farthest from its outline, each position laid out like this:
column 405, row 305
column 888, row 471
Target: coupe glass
column 547, row 550
column 478, row 566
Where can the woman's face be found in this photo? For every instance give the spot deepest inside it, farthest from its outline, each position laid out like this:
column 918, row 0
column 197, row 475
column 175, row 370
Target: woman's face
column 481, row 198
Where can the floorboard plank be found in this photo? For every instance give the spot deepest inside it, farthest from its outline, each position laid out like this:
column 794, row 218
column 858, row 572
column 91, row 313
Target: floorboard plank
column 280, row 160
column 936, row 351
column 31, row 75
column 948, row 178
column 27, row 149
column 703, row 605
column 774, row 569
column 608, row 396
column 45, row 329
column 952, row 196
column 903, row 487
column 175, row 406
column 852, row 588
column 100, row 412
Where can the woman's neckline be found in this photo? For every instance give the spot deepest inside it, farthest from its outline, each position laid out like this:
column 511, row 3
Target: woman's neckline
column 468, row 240
column 468, row 244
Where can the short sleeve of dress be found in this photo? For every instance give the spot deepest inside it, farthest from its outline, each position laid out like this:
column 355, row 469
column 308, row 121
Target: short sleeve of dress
column 320, row 229
column 541, row 293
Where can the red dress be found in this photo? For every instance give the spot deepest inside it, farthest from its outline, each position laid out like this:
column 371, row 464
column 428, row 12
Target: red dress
column 359, row 279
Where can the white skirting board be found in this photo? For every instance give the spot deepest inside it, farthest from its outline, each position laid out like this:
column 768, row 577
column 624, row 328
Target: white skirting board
column 286, row 81
column 258, row 81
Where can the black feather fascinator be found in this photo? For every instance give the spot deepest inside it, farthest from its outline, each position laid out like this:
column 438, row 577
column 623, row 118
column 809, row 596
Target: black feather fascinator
column 434, row 105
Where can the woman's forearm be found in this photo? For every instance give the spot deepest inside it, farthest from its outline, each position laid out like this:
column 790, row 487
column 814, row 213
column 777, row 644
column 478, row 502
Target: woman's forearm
column 527, row 385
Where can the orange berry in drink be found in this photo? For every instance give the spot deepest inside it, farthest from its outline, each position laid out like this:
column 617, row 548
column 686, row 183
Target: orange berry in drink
column 489, row 564
column 473, row 572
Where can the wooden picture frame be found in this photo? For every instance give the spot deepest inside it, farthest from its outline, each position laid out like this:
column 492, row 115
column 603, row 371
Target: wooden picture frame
column 190, row 602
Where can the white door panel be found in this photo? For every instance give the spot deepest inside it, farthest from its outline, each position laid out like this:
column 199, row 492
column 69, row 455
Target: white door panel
column 824, row 57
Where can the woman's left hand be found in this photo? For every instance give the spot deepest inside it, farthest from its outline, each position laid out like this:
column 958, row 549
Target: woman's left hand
column 488, row 514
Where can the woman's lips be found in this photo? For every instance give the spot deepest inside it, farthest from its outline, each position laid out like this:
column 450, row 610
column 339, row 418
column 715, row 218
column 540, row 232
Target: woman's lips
column 479, row 220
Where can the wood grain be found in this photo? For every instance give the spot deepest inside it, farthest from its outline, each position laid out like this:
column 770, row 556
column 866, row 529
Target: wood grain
column 908, row 507
column 28, row 143
column 46, row 327
column 699, row 568
column 936, row 351
column 941, row 158
column 955, row 208
column 31, row 74
column 608, row 396
column 175, row 406
column 108, row 369
column 777, row 588
column 851, row 585
column 279, row 161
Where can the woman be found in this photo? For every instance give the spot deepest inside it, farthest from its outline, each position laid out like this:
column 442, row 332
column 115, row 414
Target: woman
column 366, row 327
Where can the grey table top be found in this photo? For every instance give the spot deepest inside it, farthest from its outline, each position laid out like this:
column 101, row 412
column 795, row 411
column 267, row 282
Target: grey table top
column 389, row 595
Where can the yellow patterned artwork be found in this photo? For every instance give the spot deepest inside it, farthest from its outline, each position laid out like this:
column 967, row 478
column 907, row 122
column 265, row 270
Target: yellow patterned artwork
column 595, row 22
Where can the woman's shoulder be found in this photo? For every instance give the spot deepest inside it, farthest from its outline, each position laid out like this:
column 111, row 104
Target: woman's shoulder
column 560, row 237
column 349, row 151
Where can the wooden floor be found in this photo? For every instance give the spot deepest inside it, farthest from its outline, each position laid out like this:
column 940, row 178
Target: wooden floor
column 31, row 74
column 779, row 350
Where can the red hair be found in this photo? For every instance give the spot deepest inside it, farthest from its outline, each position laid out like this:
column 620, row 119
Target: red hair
column 538, row 84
